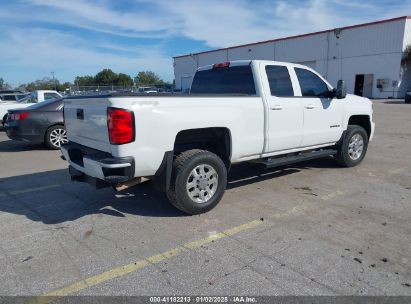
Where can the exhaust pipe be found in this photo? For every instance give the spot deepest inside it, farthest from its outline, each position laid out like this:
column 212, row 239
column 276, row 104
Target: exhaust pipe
column 130, row 183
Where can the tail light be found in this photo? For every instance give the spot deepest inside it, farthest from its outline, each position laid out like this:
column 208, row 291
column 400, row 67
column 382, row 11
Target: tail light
column 19, row 116
column 120, row 125
column 221, row 65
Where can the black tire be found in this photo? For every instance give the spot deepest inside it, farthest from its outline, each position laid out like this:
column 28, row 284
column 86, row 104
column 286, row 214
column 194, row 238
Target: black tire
column 48, row 140
column 183, row 166
column 4, row 120
column 407, row 100
column 346, row 157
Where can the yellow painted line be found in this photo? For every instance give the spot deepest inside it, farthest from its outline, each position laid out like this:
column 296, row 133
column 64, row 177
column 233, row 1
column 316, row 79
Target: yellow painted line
column 126, row 269
column 34, row 189
column 399, row 170
column 332, row 195
column 155, row 259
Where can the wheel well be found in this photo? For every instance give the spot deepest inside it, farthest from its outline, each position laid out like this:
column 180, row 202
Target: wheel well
column 361, row 120
column 48, row 128
column 216, row 140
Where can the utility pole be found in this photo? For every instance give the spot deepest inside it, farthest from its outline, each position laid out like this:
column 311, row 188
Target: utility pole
column 55, row 88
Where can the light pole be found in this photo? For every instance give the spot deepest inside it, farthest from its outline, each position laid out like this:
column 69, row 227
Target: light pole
column 55, row 88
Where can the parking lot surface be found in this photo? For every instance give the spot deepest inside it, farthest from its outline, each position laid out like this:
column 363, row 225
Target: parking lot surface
column 308, row 229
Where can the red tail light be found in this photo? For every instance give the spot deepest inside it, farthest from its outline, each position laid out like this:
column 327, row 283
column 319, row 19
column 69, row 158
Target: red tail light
column 120, row 124
column 221, row 65
column 19, row 116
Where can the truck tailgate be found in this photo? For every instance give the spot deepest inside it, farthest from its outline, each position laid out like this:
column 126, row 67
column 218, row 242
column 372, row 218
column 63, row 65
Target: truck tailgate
column 86, row 122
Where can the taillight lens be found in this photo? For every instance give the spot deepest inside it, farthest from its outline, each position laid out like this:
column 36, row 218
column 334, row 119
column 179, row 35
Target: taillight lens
column 19, row 116
column 120, row 124
column 221, row 65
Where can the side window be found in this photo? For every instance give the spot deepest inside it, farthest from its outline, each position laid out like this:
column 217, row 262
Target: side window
column 279, row 80
column 310, row 84
column 48, row 96
column 9, row 97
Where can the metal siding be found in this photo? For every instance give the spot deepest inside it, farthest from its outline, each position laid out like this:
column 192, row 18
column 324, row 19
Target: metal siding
column 184, row 67
column 385, row 66
column 373, row 49
column 211, row 58
column 263, row 51
column 369, row 40
column 407, row 34
column 301, row 49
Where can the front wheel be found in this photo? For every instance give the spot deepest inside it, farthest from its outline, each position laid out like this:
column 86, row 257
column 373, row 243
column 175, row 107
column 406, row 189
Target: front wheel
column 55, row 137
column 198, row 181
column 353, row 147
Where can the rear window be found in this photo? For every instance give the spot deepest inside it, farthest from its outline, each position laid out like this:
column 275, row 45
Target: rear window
column 232, row 80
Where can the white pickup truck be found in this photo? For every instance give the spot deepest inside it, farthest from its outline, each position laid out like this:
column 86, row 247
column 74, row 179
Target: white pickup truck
column 269, row 112
column 34, row 97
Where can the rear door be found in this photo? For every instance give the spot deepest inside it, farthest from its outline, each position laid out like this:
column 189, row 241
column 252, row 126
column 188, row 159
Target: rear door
column 322, row 115
column 86, row 122
column 285, row 114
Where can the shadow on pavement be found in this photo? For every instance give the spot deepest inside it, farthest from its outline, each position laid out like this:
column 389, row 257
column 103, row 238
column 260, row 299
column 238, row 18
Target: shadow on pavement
column 395, row 102
column 52, row 198
column 19, row 146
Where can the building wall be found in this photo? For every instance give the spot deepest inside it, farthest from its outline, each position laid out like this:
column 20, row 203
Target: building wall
column 374, row 49
column 406, row 70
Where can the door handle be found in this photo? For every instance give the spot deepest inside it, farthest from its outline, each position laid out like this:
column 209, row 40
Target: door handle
column 277, row 107
column 310, row 106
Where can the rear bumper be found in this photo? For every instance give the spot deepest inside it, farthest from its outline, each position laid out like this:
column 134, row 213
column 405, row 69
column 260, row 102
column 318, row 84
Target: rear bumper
column 18, row 133
column 96, row 167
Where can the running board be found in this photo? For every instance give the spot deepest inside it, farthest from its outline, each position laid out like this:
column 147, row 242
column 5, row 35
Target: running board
column 288, row 160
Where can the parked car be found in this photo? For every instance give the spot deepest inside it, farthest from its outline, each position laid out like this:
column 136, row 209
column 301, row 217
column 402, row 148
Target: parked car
column 12, row 96
column 408, row 96
column 26, row 101
column 40, row 123
column 147, row 90
column 267, row 112
column 42, row 95
column 10, row 92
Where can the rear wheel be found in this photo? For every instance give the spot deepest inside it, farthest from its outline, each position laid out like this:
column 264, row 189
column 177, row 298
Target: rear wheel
column 198, row 181
column 353, row 147
column 55, row 136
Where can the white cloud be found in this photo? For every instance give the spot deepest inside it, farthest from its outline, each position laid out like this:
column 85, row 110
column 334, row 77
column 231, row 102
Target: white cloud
column 216, row 23
column 42, row 51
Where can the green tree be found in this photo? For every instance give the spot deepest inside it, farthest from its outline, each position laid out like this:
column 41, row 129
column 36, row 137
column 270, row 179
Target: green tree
column 147, row 77
column 42, row 84
column 4, row 85
column 124, row 80
column 84, row 80
column 106, row 77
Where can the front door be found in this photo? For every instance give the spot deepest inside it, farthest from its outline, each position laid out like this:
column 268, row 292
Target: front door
column 359, row 85
column 285, row 114
column 322, row 115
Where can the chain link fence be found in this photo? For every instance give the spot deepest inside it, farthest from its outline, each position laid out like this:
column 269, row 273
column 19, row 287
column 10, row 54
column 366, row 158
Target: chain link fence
column 106, row 89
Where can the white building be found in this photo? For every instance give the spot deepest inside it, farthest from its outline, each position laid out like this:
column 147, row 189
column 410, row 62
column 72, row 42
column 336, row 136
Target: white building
column 367, row 56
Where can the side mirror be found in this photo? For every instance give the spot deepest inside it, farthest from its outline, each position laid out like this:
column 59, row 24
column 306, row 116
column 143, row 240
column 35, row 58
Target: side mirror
column 341, row 90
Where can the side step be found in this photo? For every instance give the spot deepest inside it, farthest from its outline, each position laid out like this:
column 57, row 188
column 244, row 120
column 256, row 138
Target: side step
column 288, row 160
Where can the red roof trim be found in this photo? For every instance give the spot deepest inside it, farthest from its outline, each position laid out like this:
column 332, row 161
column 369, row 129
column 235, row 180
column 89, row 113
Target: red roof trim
column 298, row 36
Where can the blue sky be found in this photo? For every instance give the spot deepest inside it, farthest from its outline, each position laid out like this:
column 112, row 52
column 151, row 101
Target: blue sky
column 81, row 37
